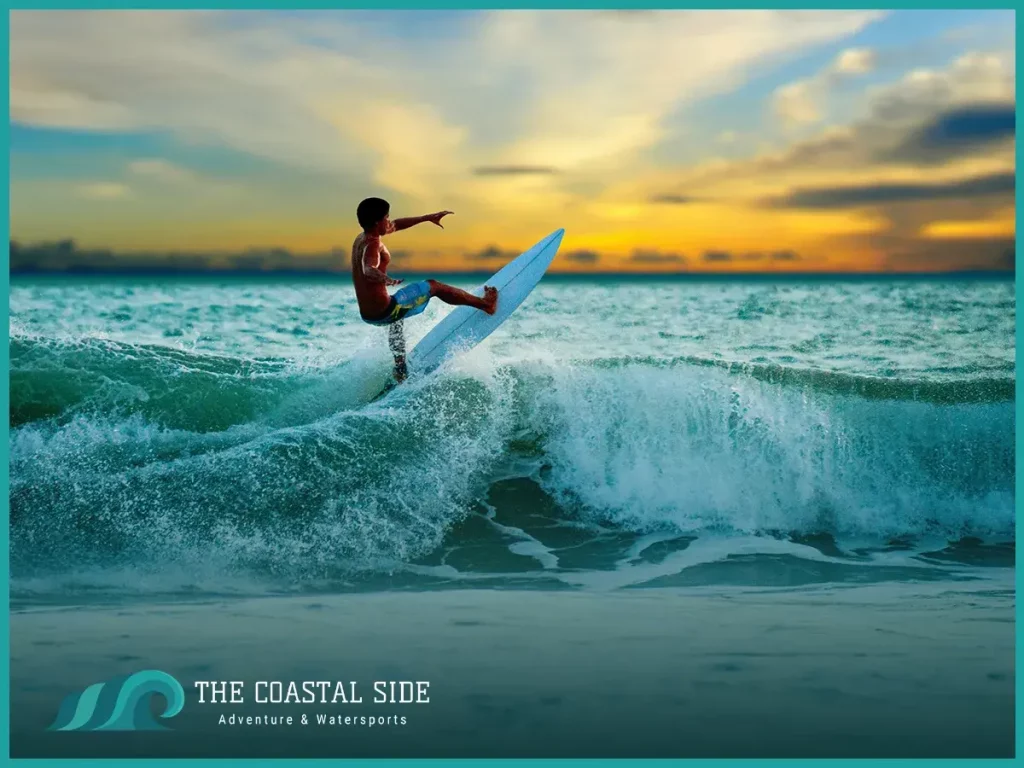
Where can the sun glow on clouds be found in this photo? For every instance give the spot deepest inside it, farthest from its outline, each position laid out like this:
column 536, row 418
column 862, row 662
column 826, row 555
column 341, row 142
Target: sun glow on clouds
column 1004, row 226
column 521, row 121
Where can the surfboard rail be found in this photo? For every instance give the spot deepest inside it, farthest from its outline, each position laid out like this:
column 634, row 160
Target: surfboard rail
column 465, row 327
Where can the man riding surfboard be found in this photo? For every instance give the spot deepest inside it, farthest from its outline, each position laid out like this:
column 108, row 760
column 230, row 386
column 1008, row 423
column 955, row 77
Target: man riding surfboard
column 370, row 260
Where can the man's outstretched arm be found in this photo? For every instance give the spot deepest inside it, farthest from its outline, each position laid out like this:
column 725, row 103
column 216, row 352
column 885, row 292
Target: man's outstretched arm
column 412, row 221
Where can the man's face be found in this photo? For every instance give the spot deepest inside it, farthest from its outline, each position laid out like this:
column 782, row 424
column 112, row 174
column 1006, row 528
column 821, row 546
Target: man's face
column 384, row 226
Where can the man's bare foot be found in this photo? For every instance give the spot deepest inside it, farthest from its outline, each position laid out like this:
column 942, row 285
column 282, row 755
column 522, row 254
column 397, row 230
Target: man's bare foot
column 491, row 298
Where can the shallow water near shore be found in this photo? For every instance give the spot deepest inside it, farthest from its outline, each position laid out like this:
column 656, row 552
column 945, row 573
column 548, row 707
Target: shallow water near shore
column 921, row 670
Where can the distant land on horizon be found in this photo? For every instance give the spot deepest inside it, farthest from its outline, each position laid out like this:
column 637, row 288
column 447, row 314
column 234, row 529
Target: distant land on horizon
column 63, row 257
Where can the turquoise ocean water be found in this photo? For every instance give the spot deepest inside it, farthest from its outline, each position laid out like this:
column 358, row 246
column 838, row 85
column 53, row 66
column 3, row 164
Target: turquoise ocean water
column 215, row 436
column 646, row 518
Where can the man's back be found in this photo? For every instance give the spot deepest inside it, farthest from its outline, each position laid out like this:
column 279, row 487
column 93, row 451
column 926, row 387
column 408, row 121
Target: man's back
column 372, row 296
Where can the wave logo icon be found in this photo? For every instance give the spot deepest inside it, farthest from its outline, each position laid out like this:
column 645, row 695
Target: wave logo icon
column 121, row 704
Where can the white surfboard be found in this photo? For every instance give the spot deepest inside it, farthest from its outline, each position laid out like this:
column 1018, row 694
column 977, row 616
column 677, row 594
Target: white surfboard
column 465, row 327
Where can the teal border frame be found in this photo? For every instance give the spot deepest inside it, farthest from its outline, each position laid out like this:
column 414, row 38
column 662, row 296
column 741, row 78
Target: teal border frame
column 447, row 5
column 451, row 5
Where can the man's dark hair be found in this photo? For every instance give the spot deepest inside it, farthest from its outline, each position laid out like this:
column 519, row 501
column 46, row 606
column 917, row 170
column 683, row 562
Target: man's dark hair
column 372, row 210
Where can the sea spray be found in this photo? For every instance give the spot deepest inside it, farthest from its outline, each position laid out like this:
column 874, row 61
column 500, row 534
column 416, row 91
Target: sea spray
column 699, row 450
column 362, row 488
column 604, row 414
column 644, row 448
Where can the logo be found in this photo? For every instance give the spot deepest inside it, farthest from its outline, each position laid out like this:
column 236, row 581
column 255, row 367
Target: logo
column 121, row 704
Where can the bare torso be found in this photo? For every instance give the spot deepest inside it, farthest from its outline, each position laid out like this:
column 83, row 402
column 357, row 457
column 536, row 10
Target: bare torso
column 373, row 297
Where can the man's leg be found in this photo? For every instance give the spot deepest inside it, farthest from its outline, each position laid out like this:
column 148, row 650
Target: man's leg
column 449, row 294
column 396, row 340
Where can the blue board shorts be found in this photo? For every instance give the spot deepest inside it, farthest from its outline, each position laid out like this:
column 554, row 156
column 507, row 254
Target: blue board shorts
column 406, row 302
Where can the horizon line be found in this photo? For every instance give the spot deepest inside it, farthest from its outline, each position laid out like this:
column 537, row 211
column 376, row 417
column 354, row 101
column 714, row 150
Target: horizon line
column 698, row 275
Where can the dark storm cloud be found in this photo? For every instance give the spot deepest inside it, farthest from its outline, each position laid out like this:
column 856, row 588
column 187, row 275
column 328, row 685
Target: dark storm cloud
column 582, row 257
column 66, row 256
column 514, row 170
column 957, row 132
column 718, row 256
column 924, row 125
column 1007, row 259
column 491, row 253
column 982, row 254
column 890, row 193
column 656, row 257
column 785, row 256
column 673, row 199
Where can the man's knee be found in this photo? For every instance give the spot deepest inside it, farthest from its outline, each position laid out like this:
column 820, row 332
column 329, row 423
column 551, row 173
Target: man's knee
column 434, row 287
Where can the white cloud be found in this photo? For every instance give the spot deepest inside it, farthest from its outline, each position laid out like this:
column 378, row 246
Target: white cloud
column 161, row 170
column 190, row 74
column 855, row 61
column 877, row 144
column 802, row 102
column 588, row 92
column 38, row 103
column 973, row 77
column 797, row 103
column 415, row 148
column 603, row 87
column 103, row 190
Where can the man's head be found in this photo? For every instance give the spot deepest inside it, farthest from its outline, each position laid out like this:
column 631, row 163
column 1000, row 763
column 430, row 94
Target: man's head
column 373, row 214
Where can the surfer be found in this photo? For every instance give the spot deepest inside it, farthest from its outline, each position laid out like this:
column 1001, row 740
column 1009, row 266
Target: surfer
column 370, row 259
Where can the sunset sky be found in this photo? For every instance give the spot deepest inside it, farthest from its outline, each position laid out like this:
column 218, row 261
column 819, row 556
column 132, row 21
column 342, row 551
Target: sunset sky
column 674, row 140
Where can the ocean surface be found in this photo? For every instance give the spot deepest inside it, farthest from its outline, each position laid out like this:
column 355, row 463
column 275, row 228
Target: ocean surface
column 646, row 518
column 215, row 436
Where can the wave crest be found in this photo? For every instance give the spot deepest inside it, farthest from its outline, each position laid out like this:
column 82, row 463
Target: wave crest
column 303, row 479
